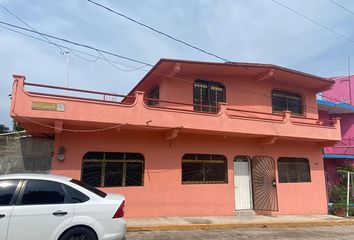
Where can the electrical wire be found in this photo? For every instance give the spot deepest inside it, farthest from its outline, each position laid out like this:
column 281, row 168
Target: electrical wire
column 17, row 17
column 314, row 21
column 158, row 31
column 79, row 44
column 341, row 6
column 134, row 60
column 75, row 51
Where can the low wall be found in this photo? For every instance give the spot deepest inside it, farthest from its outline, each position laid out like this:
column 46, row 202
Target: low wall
column 25, row 154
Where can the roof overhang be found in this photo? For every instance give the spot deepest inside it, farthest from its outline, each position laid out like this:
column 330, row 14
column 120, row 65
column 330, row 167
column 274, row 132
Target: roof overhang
column 334, row 107
column 172, row 68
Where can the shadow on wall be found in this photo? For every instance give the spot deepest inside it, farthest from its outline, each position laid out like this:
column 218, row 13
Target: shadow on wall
column 25, row 154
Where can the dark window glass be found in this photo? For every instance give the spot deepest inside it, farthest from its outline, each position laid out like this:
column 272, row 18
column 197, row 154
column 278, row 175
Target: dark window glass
column 134, row 176
column 204, row 168
column 43, row 192
column 292, row 170
column 154, row 94
column 92, row 173
column 209, row 94
column 285, row 101
column 114, row 169
column 89, row 188
column 75, row 195
column 7, row 190
column 113, row 174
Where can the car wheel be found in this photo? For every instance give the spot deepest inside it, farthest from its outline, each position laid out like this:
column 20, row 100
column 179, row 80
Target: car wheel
column 79, row 233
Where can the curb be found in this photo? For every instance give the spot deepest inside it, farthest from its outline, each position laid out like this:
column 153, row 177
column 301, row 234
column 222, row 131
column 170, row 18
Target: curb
column 174, row 227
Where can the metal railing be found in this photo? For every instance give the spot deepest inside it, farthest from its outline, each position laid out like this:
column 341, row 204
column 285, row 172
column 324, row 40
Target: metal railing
column 100, row 96
column 232, row 112
column 345, row 147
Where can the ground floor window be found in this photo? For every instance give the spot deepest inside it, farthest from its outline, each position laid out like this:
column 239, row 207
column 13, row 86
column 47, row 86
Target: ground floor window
column 293, row 170
column 204, row 168
column 113, row 169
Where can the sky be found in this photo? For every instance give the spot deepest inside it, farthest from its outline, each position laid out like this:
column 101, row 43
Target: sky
column 239, row 30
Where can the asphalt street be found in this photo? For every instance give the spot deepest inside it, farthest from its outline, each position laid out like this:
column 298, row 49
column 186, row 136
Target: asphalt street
column 313, row 233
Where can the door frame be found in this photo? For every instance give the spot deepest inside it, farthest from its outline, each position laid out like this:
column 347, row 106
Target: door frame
column 249, row 159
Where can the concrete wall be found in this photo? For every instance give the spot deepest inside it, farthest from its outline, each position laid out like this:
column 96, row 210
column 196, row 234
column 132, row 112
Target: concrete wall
column 340, row 90
column 25, row 154
column 163, row 194
column 241, row 92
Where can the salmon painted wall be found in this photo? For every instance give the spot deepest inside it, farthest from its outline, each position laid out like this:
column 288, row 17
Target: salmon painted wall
column 241, row 92
column 164, row 195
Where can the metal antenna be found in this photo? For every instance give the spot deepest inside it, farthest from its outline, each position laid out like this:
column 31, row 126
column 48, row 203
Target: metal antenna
column 67, row 54
column 350, row 84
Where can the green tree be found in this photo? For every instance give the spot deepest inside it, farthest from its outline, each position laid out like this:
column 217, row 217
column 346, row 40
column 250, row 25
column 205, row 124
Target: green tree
column 4, row 129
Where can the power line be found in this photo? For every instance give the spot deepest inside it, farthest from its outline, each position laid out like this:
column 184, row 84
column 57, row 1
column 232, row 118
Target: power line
column 76, row 51
column 314, row 21
column 17, row 17
column 341, row 6
column 101, row 55
column 79, row 44
column 158, row 31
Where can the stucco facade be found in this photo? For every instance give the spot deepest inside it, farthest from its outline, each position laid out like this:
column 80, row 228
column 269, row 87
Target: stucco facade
column 244, row 125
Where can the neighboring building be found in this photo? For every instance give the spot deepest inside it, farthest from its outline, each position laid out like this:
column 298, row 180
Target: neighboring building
column 192, row 138
column 338, row 102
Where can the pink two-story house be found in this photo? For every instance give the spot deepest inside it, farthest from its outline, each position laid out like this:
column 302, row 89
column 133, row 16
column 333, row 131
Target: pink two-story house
column 191, row 138
column 338, row 102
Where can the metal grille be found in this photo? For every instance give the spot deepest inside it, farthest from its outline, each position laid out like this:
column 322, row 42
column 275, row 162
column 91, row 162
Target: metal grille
column 110, row 169
column 264, row 184
column 204, row 168
column 208, row 93
column 291, row 169
column 285, row 101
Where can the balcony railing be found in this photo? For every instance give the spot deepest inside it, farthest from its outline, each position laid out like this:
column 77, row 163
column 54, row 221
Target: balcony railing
column 54, row 105
column 119, row 99
column 79, row 94
column 344, row 147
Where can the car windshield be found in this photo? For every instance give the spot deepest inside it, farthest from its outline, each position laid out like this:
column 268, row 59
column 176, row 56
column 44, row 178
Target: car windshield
column 90, row 188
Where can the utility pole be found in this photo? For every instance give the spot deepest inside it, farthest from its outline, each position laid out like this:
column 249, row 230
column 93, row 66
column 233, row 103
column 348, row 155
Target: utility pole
column 350, row 82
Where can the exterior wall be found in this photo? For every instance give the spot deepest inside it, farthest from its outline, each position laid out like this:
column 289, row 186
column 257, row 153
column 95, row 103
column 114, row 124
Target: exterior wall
column 347, row 125
column 242, row 92
column 164, row 195
column 340, row 90
column 25, row 154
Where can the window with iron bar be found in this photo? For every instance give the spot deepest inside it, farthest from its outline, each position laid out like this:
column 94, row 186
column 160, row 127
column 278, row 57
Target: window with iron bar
column 209, row 94
column 286, row 101
column 204, row 169
column 113, row 169
column 292, row 170
column 154, row 93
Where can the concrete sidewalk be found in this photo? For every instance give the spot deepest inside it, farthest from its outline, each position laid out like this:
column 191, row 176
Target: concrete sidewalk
column 187, row 223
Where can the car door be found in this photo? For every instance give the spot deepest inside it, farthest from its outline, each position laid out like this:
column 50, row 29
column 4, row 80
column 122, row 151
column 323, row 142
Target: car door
column 7, row 199
column 41, row 211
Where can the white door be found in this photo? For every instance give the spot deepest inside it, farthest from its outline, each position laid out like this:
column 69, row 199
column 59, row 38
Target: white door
column 7, row 192
column 41, row 211
column 243, row 185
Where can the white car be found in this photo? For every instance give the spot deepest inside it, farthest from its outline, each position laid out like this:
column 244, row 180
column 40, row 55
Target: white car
column 47, row 207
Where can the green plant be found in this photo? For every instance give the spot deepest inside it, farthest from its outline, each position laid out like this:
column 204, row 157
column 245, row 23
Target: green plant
column 338, row 191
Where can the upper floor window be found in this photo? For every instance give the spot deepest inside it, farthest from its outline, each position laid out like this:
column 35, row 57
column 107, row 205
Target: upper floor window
column 286, row 101
column 204, row 168
column 154, row 93
column 208, row 94
column 293, row 170
column 112, row 169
